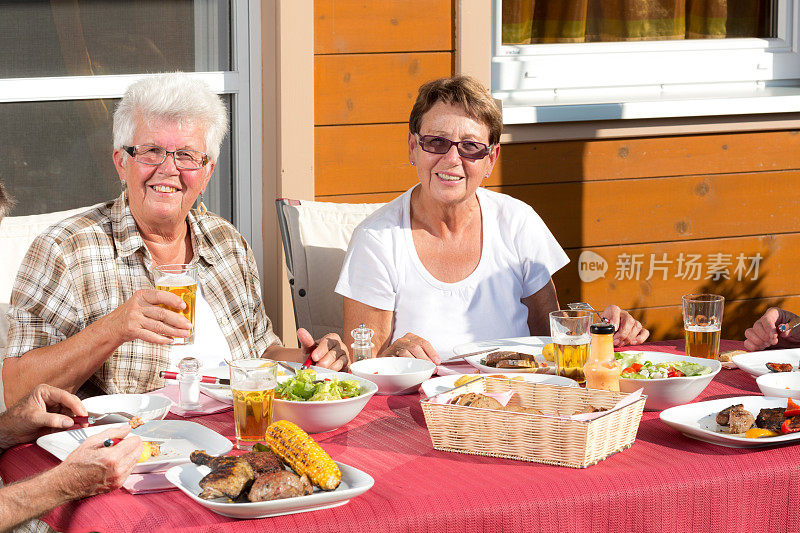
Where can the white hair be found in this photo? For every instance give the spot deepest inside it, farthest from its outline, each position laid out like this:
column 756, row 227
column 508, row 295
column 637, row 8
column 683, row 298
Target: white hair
column 174, row 97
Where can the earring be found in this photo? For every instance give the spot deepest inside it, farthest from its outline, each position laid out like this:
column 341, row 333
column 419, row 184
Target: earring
column 201, row 207
column 413, row 164
column 124, row 184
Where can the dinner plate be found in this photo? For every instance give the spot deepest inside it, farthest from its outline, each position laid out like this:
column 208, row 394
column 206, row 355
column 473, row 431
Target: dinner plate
column 354, row 483
column 440, row 384
column 755, row 363
column 180, row 438
column 528, row 345
column 699, row 421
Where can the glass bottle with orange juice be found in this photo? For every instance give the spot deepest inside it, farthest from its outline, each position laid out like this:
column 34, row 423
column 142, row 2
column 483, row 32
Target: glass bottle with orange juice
column 601, row 369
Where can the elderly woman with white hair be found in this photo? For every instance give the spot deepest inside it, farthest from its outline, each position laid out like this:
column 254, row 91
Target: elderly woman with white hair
column 84, row 310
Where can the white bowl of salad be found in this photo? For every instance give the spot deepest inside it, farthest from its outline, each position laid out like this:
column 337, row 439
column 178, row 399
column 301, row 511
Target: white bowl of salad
column 668, row 380
column 321, row 400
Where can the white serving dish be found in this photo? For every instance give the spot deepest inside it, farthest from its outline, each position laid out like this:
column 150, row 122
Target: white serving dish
column 528, row 345
column 440, row 384
column 780, row 384
column 394, row 375
column 669, row 392
column 180, row 438
column 755, row 363
column 145, row 406
column 312, row 417
column 699, row 421
column 354, row 483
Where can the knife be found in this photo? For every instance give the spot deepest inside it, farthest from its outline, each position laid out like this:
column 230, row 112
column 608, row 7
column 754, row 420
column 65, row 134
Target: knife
column 203, row 379
column 789, row 326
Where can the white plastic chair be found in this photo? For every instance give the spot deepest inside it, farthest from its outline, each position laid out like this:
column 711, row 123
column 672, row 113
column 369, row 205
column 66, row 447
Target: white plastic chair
column 315, row 237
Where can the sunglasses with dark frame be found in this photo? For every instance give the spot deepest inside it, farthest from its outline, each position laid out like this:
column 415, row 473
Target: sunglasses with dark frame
column 435, row 144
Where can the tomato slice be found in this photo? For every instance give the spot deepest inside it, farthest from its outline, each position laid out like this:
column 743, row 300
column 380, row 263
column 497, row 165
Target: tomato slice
column 637, row 367
column 674, row 373
column 791, row 425
column 792, row 409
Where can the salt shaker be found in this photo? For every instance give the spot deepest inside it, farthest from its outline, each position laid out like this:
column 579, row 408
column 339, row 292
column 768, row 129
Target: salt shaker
column 362, row 347
column 189, row 384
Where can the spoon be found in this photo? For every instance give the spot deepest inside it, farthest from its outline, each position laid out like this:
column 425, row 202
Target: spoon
column 583, row 306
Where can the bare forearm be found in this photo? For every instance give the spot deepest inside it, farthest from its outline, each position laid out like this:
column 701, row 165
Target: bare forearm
column 31, row 498
column 67, row 364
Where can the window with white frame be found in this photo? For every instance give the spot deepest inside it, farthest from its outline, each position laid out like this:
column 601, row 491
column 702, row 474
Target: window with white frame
column 63, row 67
column 556, row 60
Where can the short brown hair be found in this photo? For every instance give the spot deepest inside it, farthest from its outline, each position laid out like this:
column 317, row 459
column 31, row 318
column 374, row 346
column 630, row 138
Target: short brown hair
column 459, row 90
column 6, row 201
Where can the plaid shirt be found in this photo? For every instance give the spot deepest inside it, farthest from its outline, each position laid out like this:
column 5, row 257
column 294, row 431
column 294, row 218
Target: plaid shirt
column 84, row 267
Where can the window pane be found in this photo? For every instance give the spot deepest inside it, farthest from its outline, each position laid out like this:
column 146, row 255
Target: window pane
column 101, row 37
column 57, row 155
column 578, row 21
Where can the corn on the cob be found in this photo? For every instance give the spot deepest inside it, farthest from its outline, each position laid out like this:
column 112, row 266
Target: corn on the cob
column 302, row 454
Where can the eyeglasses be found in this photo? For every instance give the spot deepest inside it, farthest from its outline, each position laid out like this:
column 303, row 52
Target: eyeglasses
column 149, row 154
column 433, row 144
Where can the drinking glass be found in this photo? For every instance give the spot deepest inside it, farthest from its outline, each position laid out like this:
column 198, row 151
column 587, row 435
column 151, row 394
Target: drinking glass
column 702, row 324
column 253, row 387
column 180, row 279
column 570, row 332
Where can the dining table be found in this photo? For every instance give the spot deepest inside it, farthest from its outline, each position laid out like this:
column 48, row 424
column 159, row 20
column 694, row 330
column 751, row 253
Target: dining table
column 664, row 482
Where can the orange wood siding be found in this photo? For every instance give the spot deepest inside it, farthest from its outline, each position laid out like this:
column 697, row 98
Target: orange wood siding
column 652, row 198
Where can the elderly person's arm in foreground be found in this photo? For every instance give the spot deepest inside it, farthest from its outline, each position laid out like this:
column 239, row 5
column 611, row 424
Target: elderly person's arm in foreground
column 765, row 334
column 91, row 469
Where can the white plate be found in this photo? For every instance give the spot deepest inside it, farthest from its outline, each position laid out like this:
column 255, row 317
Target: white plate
column 699, row 421
column 754, row 363
column 529, row 345
column 145, row 406
column 441, row 384
column 180, row 437
column 354, row 482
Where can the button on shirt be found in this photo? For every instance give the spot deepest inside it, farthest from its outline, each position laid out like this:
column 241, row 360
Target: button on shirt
column 84, row 267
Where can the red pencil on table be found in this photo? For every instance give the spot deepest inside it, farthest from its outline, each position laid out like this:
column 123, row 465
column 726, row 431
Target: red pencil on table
column 203, row 379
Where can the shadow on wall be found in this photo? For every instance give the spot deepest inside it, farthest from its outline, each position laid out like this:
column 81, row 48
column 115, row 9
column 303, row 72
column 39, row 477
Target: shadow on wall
column 745, row 302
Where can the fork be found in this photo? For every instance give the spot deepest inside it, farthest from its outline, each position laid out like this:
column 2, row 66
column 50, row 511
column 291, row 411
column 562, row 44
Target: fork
column 583, row 306
column 95, row 417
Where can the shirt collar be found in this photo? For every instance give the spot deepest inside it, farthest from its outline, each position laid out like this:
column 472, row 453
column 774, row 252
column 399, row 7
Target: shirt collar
column 128, row 239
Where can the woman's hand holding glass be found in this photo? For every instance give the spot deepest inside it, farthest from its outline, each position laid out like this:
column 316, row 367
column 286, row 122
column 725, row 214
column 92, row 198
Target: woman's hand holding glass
column 144, row 316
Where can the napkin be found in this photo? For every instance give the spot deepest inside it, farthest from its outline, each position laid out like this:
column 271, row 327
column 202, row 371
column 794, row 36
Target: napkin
column 208, row 404
column 146, row 483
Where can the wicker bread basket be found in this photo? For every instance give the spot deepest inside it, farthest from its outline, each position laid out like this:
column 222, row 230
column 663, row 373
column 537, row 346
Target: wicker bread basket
column 552, row 438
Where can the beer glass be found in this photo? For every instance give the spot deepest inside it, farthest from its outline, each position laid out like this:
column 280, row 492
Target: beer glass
column 253, row 387
column 570, row 332
column 180, row 279
column 702, row 324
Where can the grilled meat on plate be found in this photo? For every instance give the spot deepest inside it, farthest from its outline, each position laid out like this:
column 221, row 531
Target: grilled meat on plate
column 263, row 462
column 279, row 485
column 722, row 416
column 229, row 476
column 740, row 420
column 771, row 419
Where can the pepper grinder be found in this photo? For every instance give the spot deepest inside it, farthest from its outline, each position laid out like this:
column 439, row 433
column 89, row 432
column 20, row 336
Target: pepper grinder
column 362, row 347
column 189, row 384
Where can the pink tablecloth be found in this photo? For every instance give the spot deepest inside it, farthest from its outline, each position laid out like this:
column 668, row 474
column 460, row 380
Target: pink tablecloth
column 664, row 482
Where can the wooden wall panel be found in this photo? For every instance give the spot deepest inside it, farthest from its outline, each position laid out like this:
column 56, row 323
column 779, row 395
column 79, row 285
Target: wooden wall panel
column 646, row 157
column 355, row 26
column 372, row 88
column 665, row 209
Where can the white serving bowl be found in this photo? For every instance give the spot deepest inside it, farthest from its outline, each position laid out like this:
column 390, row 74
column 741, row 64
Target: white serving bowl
column 145, row 406
column 394, row 375
column 780, row 384
column 669, row 392
column 317, row 417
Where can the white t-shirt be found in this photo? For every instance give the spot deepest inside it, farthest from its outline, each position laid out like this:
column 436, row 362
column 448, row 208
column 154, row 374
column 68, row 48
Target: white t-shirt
column 382, row 270
column 210, row 346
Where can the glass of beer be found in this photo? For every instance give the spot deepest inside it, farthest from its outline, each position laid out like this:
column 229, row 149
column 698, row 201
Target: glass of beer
column 180, row 279
column 702, row 324
column 570, row 332
column 253, row 387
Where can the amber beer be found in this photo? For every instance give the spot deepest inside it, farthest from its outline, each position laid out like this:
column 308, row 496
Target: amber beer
column 571, row 355
column 702, row 341
column 252, row 413
column 186, row 288
column 253, row 388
